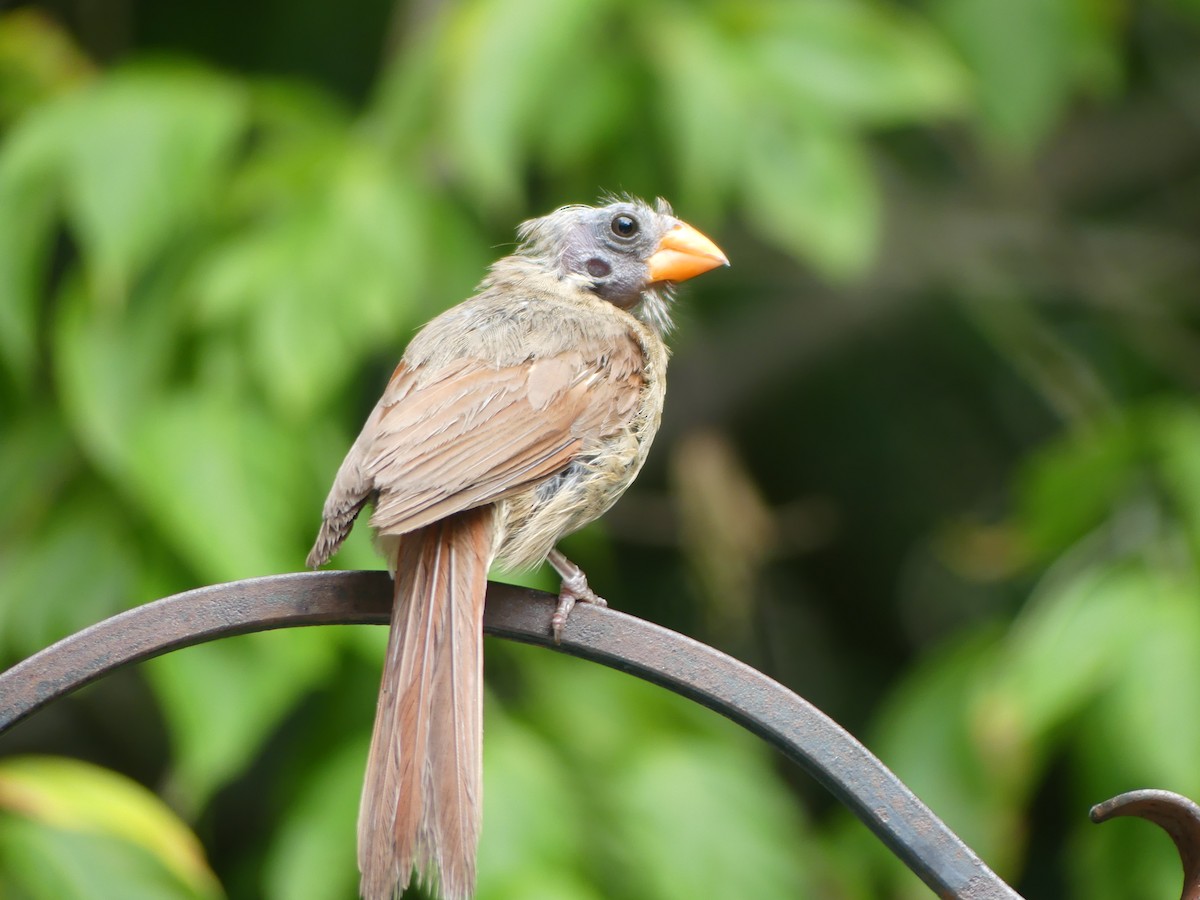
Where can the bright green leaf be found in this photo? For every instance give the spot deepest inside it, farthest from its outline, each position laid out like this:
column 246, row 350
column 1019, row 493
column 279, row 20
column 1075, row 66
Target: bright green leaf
column 327, row 277
column 501, row 74
column 1123, row 858
column 665, row 783
column 699, row 819
column 79, row 797
column 593, row 733
column 705, row 113
column 1070, row 643
column 523, row 778
column 40, row 862
column 570, row 143
column 221, row 483
column 146, row 149
column 287, row 112
column 1158, row 687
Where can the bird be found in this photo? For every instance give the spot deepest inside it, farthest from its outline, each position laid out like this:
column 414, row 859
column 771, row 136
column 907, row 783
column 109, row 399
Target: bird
column 512, row 420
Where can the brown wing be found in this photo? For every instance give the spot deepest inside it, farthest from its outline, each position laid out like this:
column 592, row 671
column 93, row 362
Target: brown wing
column 472, row 433
column 468, row 433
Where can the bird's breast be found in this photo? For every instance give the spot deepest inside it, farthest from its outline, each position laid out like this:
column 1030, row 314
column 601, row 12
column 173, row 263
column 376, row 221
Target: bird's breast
column 534, row 520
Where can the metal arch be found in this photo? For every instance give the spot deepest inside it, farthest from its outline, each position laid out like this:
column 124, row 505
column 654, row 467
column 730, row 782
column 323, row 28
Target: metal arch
column 1175, row 814
column 621, row 641
column 800, row 730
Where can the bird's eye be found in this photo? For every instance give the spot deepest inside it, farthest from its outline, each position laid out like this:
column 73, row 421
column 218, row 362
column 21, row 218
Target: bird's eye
column 624, row 226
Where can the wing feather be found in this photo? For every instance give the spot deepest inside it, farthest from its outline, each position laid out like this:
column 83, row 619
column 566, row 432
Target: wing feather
column 475, row 432
column 453, row 432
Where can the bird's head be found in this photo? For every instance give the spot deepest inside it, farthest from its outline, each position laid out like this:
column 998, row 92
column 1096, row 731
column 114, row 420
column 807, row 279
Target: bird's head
column 625, row 251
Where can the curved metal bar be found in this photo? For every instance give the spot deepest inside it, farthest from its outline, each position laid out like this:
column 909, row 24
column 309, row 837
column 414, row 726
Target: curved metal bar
column 1175, row 814
column 800, row 730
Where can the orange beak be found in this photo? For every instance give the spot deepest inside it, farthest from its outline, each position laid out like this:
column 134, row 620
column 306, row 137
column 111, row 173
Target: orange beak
column 683, row 253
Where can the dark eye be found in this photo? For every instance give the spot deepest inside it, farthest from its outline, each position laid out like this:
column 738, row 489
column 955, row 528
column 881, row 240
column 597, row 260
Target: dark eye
column 624, row 226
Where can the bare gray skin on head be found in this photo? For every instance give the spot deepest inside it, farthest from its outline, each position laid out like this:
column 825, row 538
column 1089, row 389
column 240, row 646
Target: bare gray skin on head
column 607, row 248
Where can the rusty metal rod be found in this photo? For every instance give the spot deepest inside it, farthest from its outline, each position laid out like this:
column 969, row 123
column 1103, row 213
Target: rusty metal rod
column 1175, row 814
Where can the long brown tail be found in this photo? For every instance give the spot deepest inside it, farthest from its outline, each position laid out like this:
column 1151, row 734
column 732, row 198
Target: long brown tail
column 423, row 794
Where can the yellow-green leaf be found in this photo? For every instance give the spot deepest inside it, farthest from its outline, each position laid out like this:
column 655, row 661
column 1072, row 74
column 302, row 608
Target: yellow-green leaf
column 79, row 796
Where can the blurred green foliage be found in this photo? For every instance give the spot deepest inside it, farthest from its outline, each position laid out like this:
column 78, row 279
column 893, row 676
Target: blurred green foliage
column 931, row 457
column 72, row 829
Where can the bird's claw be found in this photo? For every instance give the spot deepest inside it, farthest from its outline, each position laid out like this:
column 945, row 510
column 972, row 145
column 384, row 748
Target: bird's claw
column 574, row 590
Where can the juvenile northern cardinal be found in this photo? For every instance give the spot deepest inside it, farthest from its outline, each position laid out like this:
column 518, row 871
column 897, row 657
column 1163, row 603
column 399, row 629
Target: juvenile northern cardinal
column 513, row 419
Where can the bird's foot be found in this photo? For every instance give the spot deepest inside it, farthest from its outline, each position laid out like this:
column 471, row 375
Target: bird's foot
column 574, row 590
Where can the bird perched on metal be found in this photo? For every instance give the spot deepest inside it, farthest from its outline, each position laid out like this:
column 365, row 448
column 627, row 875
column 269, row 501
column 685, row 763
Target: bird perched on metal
column 513, row 419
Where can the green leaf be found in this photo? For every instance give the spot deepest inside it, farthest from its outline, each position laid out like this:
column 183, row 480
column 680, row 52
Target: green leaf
column 924, row 733
column 220, row 481
column 677, row 801
column 324, row 279
column 313, row 854
column 862, row 63
column 700, row 819
column 36, row 459
column 1141, row 733
column 704, row 114
column 593, row 734
column 146, row 150
column 809, row 188
column 288, row 112
column 571, row 143
column 77, row 798
column 408, row 97
column 39, row 862
column 1070, row 643
column 523, row 777
column 1065, row 490
column 1157, row 688
column 372, row 228
column 1175, row 431
column 72, row 572
column 1021, row 94
column 111, row 363
column 223, row 700
column 38, row 60
column 501, row 76
column 1123, row 858
column 28, row 201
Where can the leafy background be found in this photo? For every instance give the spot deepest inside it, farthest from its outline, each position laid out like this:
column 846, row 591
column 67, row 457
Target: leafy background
column 931, row 455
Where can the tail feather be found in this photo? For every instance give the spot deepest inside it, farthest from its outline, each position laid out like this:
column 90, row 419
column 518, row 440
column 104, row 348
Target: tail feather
column 423, row 792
